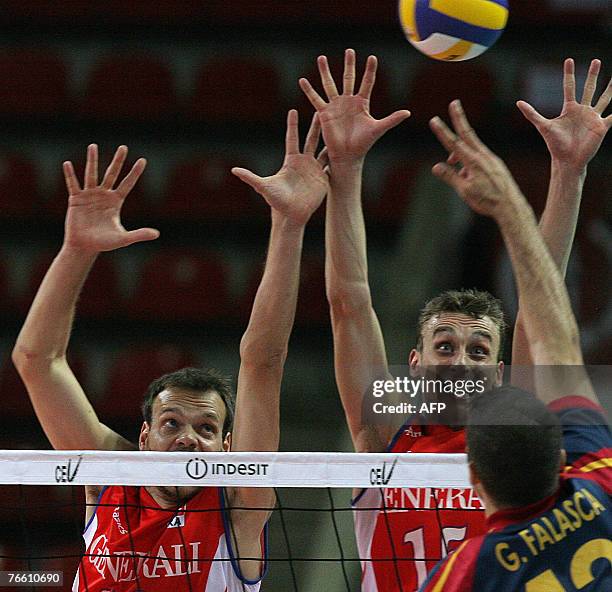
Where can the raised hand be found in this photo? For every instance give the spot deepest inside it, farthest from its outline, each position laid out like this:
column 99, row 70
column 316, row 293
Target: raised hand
column 300, row 186
column 574, row 137
column 349, row 130
column 483, row 182
column 93, row 220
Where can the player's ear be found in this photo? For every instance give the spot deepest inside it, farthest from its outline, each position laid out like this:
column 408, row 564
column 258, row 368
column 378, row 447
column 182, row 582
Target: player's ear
column 414, row 360
column 474, row 479
column 499, row 374
column 144, row 436
column 227, row 442
column 562, row 459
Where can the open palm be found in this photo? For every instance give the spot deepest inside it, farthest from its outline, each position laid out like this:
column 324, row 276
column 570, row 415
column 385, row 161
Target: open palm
column 349, row 130
column 574, row 137
column 93, row 220
column 299, row 187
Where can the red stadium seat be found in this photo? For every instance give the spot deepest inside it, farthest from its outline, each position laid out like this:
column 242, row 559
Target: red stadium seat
column 311, row 12
column 589, row 276
column 115, row 11
column 159, row 12
column 33, row 83
column 64, row 557
column 204, row 188
column 9, row 552
column 14, row 394
column 239, row 89
column 595, row 271
column 19, row 194
column 481, row 261
column 16, row 402
column 570, row 12
column 66, row 505
column 43, row 10
column 396, row 192
column 436, row 84
column 99, row 298
column 312, row 307
column 180, row 285
column 132, row 371
column 532, row 173
column 135, row 87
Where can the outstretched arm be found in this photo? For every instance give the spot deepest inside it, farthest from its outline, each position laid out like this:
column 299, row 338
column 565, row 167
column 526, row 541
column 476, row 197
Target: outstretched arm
column 487, row 186
column 293, row 194
column 573, row 138
column 92, row 225
column 349, row 132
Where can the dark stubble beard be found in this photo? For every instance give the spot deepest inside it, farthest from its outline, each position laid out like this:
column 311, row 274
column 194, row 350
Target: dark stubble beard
column 173, row 496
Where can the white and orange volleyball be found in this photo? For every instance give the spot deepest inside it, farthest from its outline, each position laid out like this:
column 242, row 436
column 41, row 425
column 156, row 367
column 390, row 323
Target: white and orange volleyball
column 453, row 30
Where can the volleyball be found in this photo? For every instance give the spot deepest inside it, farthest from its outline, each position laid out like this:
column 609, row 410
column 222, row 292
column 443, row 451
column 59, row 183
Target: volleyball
column 453, row 30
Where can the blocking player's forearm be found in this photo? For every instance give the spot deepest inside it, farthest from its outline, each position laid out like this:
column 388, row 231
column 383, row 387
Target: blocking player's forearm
column 560, row 216
column 267, row 335
column 548, row 319
column 46, row 331
column 359, row 351
column 558, row 228
column 263, row 348
column 346, row 273
column 39, row 356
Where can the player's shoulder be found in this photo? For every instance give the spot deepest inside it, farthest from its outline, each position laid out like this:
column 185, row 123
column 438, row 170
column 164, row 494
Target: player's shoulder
column 587, row 439
column 593, row 487
column 456, row 572
column 578, row 410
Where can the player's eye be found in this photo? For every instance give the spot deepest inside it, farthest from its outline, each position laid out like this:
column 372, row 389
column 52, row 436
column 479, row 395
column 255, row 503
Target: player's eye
column 480, row 352
column 170, row 423
column 444, row 347
column 207, row 428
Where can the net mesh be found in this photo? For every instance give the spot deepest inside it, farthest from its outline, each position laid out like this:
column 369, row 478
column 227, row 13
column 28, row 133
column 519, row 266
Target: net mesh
column 311, row 539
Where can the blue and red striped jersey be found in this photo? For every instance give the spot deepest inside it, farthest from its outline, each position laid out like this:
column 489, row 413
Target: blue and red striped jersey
column 559, row 544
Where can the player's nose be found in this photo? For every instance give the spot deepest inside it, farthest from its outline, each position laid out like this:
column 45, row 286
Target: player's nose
column 455, row 371
column 187, row 441
column 461, row 360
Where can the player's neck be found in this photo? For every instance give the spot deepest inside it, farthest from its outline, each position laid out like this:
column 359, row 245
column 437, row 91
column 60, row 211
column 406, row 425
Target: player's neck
column 490, row 507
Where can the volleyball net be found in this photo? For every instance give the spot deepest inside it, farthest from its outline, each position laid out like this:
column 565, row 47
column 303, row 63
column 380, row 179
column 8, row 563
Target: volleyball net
column 311, row 532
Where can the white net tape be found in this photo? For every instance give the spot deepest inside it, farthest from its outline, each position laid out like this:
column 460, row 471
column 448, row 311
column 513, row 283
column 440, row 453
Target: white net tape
column 246, row 469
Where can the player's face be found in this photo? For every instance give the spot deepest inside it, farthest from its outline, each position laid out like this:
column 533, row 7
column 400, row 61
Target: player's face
column 185, row 421
column 455, row 339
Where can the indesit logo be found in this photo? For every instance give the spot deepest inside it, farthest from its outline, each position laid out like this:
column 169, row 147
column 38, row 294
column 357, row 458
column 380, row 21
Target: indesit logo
column 67, row 473
column 198, row 468
column 382, row 475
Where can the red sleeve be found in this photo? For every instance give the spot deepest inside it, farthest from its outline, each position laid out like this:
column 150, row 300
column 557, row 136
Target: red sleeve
column 574, row 402
column 456, row 572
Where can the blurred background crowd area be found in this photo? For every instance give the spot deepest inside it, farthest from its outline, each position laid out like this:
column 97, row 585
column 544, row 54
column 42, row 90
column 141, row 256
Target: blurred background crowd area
column 200, row 86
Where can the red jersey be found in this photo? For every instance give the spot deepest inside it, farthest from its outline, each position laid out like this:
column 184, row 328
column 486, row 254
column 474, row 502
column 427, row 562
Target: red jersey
column 132, row 544
column 563, row 542
column 403, row 532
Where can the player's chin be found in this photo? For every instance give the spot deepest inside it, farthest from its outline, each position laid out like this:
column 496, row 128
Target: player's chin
column 179, row 494
column 188, row 491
